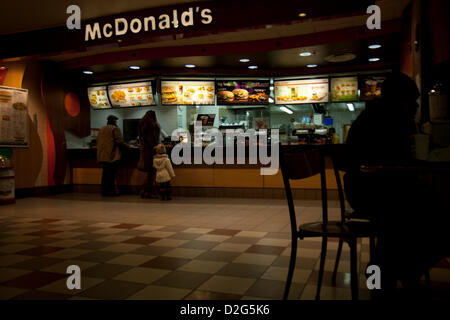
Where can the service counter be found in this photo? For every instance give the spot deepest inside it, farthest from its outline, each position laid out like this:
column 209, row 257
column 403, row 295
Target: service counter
column 217, row 180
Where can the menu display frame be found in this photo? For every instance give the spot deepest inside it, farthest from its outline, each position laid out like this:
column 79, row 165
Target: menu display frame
column 378, row 88
column 304, row 101
column 246, row 95
column 332, row 96
column 7, row 110
column 106, row 93
column 152, row 83
column 162, row 84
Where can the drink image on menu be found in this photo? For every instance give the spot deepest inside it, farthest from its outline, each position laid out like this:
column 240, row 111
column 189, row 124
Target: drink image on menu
column 371, row 87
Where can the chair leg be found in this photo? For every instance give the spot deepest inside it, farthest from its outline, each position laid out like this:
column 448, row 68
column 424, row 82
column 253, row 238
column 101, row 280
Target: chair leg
column 353, row 269
column 323, row 255
column 291, row 268
column 336, row 264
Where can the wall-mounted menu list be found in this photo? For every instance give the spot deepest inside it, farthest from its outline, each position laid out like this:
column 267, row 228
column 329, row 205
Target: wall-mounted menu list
column 131, row 94
column 344, row 89
column 301, row 91
column 13, row 117
column 98, row 97
column 187, row 92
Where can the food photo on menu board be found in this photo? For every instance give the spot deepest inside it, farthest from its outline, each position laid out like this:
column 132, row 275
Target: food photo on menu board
column 243, row 92
column 187, row 92
column 131, row 94
column 13, row 117
column 98, row 97
column 344, row 89
column 301, row 91
column 370, row 87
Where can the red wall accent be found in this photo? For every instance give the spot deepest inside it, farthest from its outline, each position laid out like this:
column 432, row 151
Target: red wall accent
column 72, row 104
column 51, row 155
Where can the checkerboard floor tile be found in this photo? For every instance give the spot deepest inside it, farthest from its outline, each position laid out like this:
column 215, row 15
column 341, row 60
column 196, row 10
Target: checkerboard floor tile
column 189, row 249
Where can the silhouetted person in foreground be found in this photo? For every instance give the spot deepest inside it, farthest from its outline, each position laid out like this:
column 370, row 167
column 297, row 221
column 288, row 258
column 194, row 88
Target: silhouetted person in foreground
column 411, row 239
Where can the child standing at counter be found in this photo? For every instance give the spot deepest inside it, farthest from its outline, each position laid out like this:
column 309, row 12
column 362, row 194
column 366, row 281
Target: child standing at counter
column 164, row 171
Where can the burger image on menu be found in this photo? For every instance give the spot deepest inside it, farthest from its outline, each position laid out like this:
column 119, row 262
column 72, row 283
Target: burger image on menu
column 169, row 94
column 240, row 94
column 226, row 96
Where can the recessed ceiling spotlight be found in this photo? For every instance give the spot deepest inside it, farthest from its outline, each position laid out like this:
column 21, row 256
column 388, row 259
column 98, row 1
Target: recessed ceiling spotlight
column 244, row 60
column 302, row 14
column 87, row 72
column 340, row 57
column 351, row 106
column 305, row 54
column 135, row 67
column 312, row 65
column 375, row 46
column 253, row 67
column 271, row 88
column 374, row 59
column 189, row 65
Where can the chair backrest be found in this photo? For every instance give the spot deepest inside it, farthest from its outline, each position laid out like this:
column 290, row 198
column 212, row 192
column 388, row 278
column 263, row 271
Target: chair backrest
column 297, row 162
column 300, row 162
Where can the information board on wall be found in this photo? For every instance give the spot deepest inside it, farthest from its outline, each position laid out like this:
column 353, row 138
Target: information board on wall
column 344, row 89
column 243, row 92
column 301, row 91
column 198, row 92
column 135, row 94
column 14, row 126
column 98, row 97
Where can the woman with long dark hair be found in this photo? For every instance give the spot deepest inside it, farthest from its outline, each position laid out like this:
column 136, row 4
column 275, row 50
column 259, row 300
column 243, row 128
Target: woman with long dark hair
column 149, row 136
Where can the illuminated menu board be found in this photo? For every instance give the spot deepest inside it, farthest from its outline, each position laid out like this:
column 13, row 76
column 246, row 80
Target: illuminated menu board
column 131, row 94
column 344, row 89
column 98, row 97
column 301, row 91
column 187, row 92
column 370, row 87
column 243, row 92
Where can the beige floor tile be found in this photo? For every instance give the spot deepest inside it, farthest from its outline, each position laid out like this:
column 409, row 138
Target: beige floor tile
column 326, row 293
column 103, row 225
column 158, row 234
column 9, row 293
column 185, row 253
column 11, row 273
column 274, row 242
column 302, row 252
column 253, row 298
column 174, row 243
column 198, row 230
column 62, row 222
column 21, row 231
column 15, row 247
column 68, row 253
column 203, row 266
column 66, row 235
column 254, row 234
column 66, row 243
column 62, row 267
column 131, row 259
column 114, row 238
column 122, row 247
column 233, row 247
column 254, row 258
column 213, row 238
column 280, row 274
column 17, row 239
column 108, row 231
column 227, row 284
column 146, row 227
column 160, row 293
column 142, row 275
column 60, row 286
column 64, row 228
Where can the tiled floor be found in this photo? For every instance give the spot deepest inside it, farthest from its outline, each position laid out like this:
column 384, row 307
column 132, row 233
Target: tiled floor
column 189, row 248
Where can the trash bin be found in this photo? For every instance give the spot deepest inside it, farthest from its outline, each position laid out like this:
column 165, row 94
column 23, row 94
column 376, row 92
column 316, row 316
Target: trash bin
column 7, row 181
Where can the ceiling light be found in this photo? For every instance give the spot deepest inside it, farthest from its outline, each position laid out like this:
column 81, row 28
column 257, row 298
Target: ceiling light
column 87, row 72
column 189, row 65
column 2, row 68
column 302, row 15
column 253, row 67
column 305, row 54
column 340, row 57
column 270, row 100
column 374, row 59
column 135, row 67
column 271, row 88
column 350, row 107
column 287, row 110
column 244, row 60
column 312, row 65
column 375, row 46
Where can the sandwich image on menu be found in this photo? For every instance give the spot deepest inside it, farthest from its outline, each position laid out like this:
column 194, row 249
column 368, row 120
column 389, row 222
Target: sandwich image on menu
column 243, row 92
column 187, row 92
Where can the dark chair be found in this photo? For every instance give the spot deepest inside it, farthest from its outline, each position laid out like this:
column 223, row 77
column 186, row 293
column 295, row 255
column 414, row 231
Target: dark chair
column 299, row 162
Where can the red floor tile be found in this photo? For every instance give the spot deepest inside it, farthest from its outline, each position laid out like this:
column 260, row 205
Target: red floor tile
column 141, row 240
column 39, row 251
column 224, row 232
column 33, row 280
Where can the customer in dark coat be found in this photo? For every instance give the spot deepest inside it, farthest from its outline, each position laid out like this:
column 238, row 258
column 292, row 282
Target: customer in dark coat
column 410, row 237
column 149, row 136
